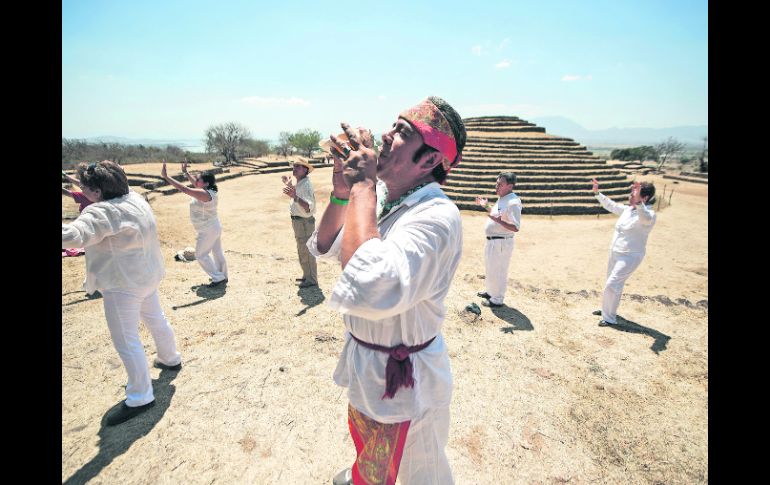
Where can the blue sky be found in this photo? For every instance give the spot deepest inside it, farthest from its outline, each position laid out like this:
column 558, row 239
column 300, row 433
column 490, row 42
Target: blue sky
column 170, row 69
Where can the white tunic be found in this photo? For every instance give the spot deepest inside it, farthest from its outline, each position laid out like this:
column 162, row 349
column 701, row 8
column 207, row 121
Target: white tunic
column 633, row 226
column 391, row 292
column 121, row 243
column 204, row 214
column 508, row 206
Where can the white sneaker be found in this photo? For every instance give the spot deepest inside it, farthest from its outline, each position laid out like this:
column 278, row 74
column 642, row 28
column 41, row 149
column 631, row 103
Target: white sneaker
column 345, row 477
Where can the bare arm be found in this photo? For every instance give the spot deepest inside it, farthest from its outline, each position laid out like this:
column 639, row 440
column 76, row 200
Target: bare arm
column 200, row 194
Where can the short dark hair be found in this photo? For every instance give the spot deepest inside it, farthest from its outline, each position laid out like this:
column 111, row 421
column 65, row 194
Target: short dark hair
column 107, row 176
column 510, row 177
column 647, row 189
column 458, row 131
column 211, row 181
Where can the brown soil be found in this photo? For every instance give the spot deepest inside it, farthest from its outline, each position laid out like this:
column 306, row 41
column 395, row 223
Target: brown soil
column 542, row 395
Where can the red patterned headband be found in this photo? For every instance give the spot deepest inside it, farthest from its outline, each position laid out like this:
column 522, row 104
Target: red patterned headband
column 435, row 130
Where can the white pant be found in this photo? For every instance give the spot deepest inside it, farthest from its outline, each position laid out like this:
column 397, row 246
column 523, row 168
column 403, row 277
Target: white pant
column 424, row 461
column 619, row 268
column 123, row 309
column 497, row 258
column 209, row 243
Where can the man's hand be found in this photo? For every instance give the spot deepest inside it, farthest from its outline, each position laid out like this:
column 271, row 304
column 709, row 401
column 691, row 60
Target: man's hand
column 482, row 202
column 291, row 191
column 595, row 188
column 358, row 158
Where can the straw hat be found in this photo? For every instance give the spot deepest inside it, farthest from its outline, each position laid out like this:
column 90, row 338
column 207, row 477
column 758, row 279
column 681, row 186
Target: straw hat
column 304, row 164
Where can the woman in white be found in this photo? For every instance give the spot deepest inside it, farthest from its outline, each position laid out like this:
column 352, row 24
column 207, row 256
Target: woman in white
column 628, row 244
column 203, row 214
column 124, row 262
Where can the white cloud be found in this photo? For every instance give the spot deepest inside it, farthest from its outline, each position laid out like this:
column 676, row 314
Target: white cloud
column 381, row 97
column 504, row 64
column 503, row 44
column 260, row 101
column 476, row 50
column 567, row 78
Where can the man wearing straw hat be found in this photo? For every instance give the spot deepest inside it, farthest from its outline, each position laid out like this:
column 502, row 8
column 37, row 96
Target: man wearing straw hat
column 302, row 208
column 398, row 238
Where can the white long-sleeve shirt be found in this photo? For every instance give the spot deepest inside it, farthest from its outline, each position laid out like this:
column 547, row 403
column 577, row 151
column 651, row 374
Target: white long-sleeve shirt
column 121, row 243
column 305, row 192
column 391, row 292
column 509, row 207
column 633, row 226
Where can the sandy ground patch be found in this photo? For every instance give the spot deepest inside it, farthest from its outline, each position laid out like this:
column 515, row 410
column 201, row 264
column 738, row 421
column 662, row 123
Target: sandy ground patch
column 542, row 395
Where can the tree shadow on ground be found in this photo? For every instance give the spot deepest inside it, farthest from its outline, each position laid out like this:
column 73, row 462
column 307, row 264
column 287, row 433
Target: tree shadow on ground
column 310, row 297
column 206, row 293
column 116, row 440
column 518, row 320
column 660, row 339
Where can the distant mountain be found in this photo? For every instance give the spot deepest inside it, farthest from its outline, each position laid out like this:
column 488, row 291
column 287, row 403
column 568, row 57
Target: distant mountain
column 189, row 144
column 560, row 126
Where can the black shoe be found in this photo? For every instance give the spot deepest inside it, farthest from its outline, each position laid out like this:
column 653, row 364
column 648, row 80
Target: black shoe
column 160, row 365
column 214, row 284
column 602, row 323
column 124, row 413
column 596, row 312
column 483, row 294
column 490, row 304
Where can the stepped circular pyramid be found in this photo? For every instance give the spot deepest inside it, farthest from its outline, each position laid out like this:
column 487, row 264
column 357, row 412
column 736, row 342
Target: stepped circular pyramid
column 553, row 173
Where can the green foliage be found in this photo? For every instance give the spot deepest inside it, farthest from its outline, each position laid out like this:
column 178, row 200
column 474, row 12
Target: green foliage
column 637, row 153
column 76, row 151
column 305, row 140
column 254, row 148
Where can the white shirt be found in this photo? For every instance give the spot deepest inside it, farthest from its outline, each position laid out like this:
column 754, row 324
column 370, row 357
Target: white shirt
column 121, row 243
column 204, row 214
column 509, row 206
column 633, row 226
column 391, row 292
column 305, row 192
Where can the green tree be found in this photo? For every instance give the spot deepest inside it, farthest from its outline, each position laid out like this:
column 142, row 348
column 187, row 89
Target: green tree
column 305, row 140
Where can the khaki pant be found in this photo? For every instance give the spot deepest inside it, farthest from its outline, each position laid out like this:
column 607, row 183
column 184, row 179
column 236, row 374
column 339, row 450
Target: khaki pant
column 303, row 229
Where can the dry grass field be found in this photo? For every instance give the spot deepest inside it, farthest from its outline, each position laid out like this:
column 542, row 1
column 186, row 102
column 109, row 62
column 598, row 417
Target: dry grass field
column 542, row 395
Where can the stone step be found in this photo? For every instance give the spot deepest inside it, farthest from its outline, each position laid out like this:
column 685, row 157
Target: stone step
column 694, row 180
column 535, row 160
column 471, row 152
column 506, row 129
column 534, row 179
column 539, row 170
column 702, row 175
column 535, row 165
column 547, row 209
column 551, row 185
column 519, row 142
column 619, row 193
column 472, row 155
